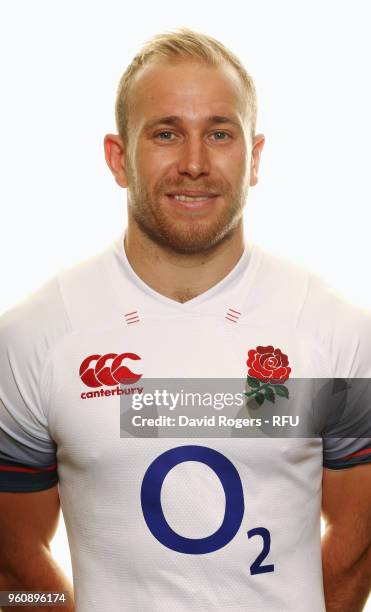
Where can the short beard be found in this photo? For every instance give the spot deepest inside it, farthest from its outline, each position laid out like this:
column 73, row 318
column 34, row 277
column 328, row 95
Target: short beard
column 185, row 237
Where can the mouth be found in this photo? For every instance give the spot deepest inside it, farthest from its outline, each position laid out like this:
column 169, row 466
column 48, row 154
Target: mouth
column 192, row 199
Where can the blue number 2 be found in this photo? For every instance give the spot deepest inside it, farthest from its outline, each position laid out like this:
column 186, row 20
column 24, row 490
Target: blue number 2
column 256, row 567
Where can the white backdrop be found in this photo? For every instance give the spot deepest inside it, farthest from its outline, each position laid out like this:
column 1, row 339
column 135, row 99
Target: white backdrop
column 61, row 63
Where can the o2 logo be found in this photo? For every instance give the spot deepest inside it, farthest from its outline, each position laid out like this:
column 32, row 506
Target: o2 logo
column 234, row 505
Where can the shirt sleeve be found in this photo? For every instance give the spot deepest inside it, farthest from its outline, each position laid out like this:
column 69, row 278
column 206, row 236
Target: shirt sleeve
column 346, row 423
column 343, row 331
column 28, row 332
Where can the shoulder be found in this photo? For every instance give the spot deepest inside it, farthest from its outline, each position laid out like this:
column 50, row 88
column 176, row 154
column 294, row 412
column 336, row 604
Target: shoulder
column 89, row 289
column 41, row 310
column 280, row 285
column 41, row 318
column 29, row 329
column 342, row 327
column 305, row 301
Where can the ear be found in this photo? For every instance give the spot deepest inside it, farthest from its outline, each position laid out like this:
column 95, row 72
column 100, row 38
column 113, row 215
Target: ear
column 258, row 145
column 114, row 151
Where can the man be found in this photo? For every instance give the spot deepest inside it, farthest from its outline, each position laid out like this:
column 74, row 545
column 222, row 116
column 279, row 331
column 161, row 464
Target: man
column 157, row 522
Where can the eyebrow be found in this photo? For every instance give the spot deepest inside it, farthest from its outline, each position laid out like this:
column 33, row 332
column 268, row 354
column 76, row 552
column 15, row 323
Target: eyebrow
column 175, row 120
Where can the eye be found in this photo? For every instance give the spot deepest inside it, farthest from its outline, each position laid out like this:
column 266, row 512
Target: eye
column 220, row 135
column 165, row 135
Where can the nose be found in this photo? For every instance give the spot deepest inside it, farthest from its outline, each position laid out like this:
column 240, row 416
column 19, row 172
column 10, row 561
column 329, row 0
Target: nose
column 194, row 160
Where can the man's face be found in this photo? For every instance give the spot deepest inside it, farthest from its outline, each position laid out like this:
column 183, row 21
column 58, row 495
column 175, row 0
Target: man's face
column 188, row 157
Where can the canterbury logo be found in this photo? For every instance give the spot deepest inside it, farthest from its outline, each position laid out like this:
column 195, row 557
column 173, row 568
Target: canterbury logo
column 95, row 371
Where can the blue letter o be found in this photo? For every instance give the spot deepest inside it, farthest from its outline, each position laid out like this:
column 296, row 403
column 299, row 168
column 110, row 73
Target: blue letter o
column 151, row 499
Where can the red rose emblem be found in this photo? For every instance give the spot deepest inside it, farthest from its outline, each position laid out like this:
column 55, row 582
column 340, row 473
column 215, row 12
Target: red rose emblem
column 268, row 364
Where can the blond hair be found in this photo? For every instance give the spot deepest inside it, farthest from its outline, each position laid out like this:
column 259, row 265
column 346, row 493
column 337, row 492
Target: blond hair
column 187, row 44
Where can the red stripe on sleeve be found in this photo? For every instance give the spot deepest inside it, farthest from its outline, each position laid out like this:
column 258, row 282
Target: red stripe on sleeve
column 11, row 468
column 365, row 451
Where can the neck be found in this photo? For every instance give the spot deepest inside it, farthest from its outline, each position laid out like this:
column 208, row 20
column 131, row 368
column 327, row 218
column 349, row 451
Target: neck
column 181, row 277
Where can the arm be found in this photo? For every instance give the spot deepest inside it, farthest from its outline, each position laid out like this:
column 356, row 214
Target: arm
column 28, row 522
column 346, row 544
